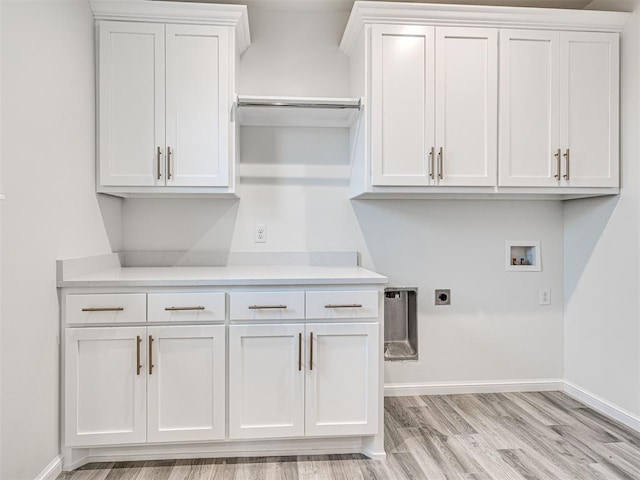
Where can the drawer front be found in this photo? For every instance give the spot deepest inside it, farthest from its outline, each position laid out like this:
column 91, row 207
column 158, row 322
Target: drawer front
column 106, row 308
column 342, row 304
column 266, row 306
column 187, row 307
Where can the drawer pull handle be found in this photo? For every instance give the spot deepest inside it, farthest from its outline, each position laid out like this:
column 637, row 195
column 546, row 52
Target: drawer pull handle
column 350, row 305
column 262, row 307
column 150, row 355
column 138, row 364
column 182, row 309
column 103, row 309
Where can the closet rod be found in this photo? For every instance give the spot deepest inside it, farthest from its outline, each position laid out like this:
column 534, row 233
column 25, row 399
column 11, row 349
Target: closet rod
column 248, row 103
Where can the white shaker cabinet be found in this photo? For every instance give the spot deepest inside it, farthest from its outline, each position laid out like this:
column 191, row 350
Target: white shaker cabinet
column 433, row 105
column 166, row 82
column 186, row 383
column 559, row 109
column 105, row 386
column 164, row 105
column 303, row 380
column 266, row 381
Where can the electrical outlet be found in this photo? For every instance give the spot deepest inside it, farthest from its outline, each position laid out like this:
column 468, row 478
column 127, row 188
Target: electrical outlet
column 544, row 296
column 260, row 233
column 443, row 296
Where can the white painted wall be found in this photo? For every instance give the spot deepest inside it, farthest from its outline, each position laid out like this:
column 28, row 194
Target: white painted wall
column 494, row 330
column 51, row 210
column 602, row 262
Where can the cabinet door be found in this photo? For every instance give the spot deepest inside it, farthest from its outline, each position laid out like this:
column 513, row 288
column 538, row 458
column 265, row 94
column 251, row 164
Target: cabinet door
column 186, row 383
column 466, row 106
column 198, row 107
column 105, row 389
column 402, row 109
column 131, row 103
column 266, row 381
column 590, row 103
column 529, row 108
column 342, row 379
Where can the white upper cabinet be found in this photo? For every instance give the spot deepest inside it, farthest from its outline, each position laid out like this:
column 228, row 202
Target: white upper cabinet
column 165, row 92
column 433, row 105
column 486, row 101
column 559, row 109
column 466, row 106
column 402, row 106
column 198, row 109
column 131, row 99
column 589, row 105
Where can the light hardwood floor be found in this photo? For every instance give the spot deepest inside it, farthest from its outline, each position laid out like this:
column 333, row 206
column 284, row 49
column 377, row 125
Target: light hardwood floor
column 511, row 436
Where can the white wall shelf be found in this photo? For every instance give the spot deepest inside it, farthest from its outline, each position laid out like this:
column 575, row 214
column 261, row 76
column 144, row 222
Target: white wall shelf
column 274, row 111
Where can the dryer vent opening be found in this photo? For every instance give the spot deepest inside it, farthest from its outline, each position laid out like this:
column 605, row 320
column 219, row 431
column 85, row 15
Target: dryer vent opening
column 400, row 324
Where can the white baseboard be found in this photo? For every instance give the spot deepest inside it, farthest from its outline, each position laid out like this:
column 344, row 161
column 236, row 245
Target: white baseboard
column 52, row 470
column 603, row 406
column 501, row 386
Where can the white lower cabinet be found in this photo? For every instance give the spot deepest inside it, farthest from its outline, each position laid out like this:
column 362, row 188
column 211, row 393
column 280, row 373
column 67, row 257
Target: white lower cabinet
column 303, row 380
column 128, row 385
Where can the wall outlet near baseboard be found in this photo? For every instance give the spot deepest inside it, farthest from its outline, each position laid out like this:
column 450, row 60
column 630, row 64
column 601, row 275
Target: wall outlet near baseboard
column 260, row 233
column 544, row 296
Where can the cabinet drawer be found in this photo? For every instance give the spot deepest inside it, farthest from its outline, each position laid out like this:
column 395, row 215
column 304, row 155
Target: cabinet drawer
column 106, row 308
column 342, row 304
column 186, row 307
column 266, row 305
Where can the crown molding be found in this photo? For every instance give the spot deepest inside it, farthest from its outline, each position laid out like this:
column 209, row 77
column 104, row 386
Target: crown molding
column 365, row 13
column 234, row 16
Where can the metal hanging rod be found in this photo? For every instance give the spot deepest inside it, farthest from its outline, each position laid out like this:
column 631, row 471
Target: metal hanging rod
column 301, row 104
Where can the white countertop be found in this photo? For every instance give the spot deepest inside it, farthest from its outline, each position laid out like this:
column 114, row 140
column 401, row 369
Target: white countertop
column 224, row 276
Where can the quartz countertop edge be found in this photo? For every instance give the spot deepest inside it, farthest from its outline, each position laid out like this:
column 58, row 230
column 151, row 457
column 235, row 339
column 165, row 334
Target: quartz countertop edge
column 224, row 276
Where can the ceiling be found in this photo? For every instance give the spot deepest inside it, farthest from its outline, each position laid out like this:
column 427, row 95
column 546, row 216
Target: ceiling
column 617, row 5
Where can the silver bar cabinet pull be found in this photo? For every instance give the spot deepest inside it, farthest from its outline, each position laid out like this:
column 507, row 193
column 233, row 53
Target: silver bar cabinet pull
column 138, row 364
column 169, row 153
column 263, row 307
column 150, row 355
column 346, row 305
column 159, row 157
column 311, row 351
column 182, row 309
column 557, row 155
column 299, row 352
column 440, row 161
column 432, row 155
column 103, row 309
column 567, row 156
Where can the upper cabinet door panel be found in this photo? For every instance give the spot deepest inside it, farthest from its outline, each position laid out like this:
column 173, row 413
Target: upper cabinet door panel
column 402, row 122
column 131, row 117
column 466, row 106
column 197, row 119
column 529, row 108
column 590, row 89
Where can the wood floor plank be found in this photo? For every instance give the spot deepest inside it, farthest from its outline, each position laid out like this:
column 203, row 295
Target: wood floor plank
column 511, row 436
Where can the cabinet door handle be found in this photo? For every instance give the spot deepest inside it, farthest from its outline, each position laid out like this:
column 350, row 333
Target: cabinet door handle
column 567, row 156
column 103, row 309
column 182, row 309
column 432, row 154
column 169, row 153
column 150, row 355
column 311, row 351
column 159, row 159
column 557, row 155
column 138, row 364
column 440, row 163
column 299, row 352
column 263, row 307
column 346, row 305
